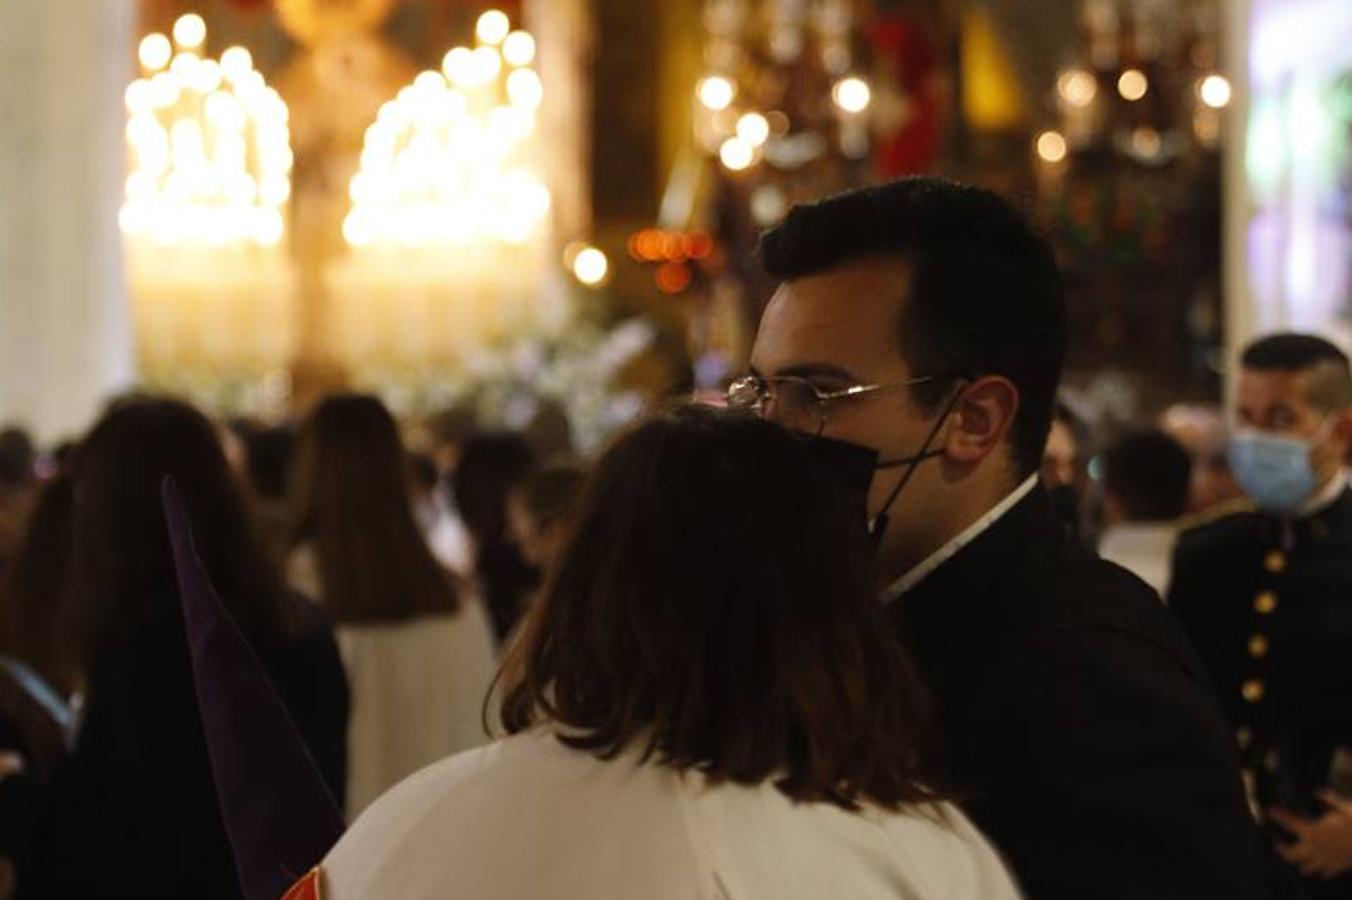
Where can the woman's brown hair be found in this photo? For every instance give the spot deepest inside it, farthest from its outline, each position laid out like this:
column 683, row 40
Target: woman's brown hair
column 716, row 607
column 350, row 500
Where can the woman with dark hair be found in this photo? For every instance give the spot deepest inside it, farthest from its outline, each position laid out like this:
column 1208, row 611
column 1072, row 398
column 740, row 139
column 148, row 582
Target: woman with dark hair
column 706, row 703
column 134, row 811
column 490, row 467
column 417, row 644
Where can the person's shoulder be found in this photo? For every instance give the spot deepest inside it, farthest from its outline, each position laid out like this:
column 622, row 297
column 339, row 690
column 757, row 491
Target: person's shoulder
column 1218, row 529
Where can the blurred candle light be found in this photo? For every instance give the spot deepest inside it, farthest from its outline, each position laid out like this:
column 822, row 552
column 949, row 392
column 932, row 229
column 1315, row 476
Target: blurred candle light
column 190, row 31
column 519, row 49
column 853, row 95
column 736, row 154
column 1215, row 91
column 493, row 27
column 1133, row 85
column 155, row 52
column 1051, row 146
column 1077, row 87
column 590, row 266
column 754, row 129
column 716, row 92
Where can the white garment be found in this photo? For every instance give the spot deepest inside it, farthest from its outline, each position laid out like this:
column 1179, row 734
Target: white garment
column 1146, row 549
column 530, row 818
column 418, row 690
column 954, row 547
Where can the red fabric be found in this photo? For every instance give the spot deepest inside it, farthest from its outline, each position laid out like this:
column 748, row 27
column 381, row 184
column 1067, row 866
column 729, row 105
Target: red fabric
column 905, row 54
column 307, row 888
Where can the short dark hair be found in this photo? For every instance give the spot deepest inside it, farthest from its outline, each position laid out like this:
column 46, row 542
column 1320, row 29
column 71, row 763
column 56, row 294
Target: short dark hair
column 1331, row 381
column 17, row 455
column 986, row 295
column 268, row 459
column 1149, row 473
column 721, row 622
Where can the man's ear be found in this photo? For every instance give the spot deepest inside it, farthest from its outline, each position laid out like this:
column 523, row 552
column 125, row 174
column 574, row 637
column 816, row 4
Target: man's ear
column 981, row 419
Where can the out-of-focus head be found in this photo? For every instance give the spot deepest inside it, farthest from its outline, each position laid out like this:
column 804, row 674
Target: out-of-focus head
column 921, row 279
column 715, row 605
column 122, row 569
column 350, row 498
column 1293, row 418
column 268, row 460
column 490, row 466
column 1146, row 477
column 540, row 508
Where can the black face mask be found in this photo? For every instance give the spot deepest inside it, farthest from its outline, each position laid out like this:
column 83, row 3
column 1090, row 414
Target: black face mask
column 854, row 466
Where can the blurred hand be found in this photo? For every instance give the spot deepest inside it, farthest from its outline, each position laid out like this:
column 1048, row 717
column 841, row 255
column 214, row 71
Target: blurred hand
column 10, row 764
column 1322, row 848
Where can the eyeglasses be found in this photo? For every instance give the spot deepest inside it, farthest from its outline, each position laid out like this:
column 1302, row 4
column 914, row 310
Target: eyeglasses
column 798, row 404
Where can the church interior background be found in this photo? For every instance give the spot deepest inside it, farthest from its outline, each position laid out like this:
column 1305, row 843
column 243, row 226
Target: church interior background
column 555, row 202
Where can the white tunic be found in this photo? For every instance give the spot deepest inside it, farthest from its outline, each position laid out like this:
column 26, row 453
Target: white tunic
column 418, row 690
column 530, row 819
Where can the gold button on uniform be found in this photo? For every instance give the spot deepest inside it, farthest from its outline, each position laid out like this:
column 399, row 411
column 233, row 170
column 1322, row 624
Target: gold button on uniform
column 1275, row 561
column 1252, row 690
column 1258, row 646
column 1265, row 602
column 1244, row 737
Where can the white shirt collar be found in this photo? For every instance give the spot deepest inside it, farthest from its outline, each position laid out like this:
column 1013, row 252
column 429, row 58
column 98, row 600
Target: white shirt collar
column 953, row 547
column 1322, row 500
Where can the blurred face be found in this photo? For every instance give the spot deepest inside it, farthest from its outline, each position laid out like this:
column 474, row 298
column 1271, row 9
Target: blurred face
column 1060, row 458
column 1278, row 403
column 839, row 329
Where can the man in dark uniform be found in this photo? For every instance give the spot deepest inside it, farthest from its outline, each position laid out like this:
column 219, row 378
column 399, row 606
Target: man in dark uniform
column 919, row 330
column 1267, row 594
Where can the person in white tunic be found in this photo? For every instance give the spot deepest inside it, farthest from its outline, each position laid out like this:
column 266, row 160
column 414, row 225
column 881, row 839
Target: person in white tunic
column 416, row 642
column 705, row 703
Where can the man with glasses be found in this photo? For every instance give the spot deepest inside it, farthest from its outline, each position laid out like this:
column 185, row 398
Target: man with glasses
column 919, row 334
column 1267, row 597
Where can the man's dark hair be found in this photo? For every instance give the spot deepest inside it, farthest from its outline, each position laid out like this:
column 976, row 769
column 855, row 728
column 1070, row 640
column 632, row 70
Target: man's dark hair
column 711, row 620
column 17, row 455
column 1330, row 372
column 986, row 297
column 1149, row 473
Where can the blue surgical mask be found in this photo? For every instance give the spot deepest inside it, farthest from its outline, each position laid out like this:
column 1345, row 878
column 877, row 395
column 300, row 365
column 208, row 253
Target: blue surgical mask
column 1274, row 471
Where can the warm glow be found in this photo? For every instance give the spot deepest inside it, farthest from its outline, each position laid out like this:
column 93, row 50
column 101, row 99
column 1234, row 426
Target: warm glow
column 524, row 88
column 190, row 31
column 716, row 93
column 519, row 49
column 440, row 165
column 852, row 95
column 1145, row 142
column 493, row 27
column 236, row 63
column 736, row 154
column 591, row 266
column 1077, row 87
column 1051, row 146
column 155, row 52
column 754, row 129
column 210, row 157
column 1133, row 85
column 1215, row 91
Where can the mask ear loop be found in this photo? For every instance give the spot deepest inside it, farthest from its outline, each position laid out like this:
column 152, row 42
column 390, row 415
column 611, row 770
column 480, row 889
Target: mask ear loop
column 881, row 521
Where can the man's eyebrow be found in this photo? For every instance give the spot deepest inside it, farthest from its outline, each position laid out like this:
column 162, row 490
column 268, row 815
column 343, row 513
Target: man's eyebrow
column 811, row 370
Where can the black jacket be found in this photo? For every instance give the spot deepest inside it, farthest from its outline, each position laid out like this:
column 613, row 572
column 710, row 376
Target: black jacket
column 1080, row 731
column 1269, row 606
column 133, row 811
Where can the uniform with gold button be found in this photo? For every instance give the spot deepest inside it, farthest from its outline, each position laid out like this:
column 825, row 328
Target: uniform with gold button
column 1268, row 603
